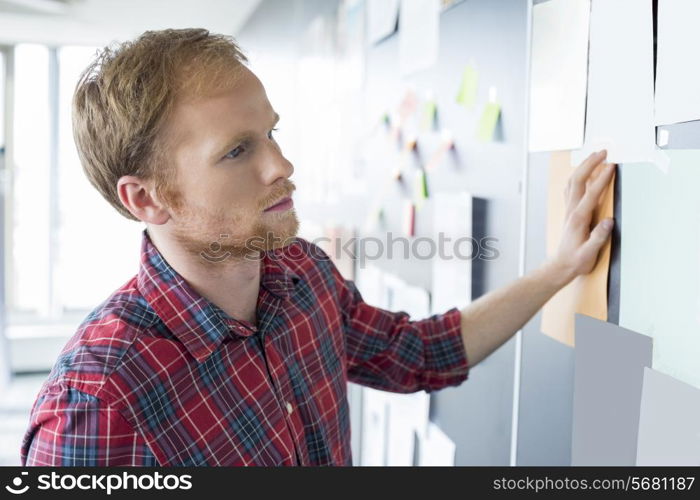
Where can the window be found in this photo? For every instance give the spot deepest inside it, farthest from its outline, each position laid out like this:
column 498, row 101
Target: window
column 29, row 192
column 69, row 249
column 98, row 248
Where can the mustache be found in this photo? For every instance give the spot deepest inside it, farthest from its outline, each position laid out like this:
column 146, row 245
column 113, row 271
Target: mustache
column 284, row 189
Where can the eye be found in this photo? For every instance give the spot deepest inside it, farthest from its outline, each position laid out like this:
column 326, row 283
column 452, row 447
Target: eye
column 269, row 134
column 234, row 153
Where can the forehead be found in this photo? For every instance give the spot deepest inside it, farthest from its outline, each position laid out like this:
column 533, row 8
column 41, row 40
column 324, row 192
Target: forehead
column 223, row 110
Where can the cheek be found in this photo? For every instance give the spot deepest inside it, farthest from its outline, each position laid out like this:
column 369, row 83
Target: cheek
column 225, row 191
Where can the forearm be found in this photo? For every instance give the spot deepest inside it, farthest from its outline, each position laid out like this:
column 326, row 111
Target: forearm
column 488, row 322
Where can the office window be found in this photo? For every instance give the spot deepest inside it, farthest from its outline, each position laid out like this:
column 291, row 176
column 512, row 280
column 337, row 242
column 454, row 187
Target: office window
column 30, row 239
column 98, row 248
column 69, row 248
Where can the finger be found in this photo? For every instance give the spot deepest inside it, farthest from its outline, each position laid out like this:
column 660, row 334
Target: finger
column 584, row 170
column 572, row 203
column 600, row 234
column 595, row 189
column 582, row 173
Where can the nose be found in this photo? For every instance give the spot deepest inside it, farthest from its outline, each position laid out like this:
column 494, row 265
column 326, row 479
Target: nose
column 274, row 165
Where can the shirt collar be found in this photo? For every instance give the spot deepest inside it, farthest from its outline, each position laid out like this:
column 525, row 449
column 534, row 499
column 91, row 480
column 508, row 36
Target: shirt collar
column 195, row 321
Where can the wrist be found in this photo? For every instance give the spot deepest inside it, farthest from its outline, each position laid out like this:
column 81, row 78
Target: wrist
column 558, row 272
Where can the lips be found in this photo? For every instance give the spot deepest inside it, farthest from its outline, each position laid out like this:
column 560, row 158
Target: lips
column 281, row 204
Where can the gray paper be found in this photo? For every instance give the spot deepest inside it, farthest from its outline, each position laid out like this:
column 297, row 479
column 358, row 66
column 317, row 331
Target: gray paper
column 684, row 135
column 669, row 421
column 608, row 374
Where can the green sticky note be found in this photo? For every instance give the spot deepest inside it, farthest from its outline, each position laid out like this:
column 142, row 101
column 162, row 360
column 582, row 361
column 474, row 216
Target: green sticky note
column 467, row 90
column 420, row 189
column 429, row 112
column 488, row 121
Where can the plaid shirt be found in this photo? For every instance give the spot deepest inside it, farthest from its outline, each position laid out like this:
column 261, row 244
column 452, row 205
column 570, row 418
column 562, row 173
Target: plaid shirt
column 158, row 375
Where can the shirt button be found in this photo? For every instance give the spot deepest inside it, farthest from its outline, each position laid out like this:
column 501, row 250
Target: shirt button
column 289, row 408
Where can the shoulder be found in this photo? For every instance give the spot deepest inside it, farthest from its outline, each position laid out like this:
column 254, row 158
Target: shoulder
column 102, row 339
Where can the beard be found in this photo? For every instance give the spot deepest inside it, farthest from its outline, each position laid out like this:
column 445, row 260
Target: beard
column 247, row 234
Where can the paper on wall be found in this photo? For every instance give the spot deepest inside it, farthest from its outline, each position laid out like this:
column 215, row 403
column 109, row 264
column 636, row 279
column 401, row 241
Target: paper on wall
column 436, row 448
column 374, row 427
column 660, row 255
column 609, row 364
column 451, row 268
column 587, row 294
column 677, row 75
column 669, row 422
column 419, row 35
column 382, row 16
column 408, row 419
column 558, row 74
column 620, row 104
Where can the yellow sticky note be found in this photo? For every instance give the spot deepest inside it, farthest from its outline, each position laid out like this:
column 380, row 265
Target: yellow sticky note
column 488, row 121
column 467, row 90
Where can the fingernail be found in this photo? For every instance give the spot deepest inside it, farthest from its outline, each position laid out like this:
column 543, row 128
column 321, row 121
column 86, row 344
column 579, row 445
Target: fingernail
column 608, row 223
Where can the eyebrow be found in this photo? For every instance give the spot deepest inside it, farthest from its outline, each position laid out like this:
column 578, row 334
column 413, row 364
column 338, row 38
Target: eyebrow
column 239, row 138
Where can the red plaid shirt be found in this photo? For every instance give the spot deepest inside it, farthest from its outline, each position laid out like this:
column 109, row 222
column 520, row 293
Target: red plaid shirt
column 158, row 375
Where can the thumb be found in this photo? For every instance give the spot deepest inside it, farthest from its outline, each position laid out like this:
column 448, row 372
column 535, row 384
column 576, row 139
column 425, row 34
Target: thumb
column 599, row 235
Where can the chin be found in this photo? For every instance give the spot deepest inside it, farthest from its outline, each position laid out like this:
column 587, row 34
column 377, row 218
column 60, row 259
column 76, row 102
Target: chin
column 268, row 233
column 282, row 233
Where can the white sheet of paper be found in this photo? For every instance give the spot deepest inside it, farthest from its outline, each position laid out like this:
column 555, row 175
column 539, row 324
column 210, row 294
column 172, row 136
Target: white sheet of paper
column 374, row 427
column 419, row 34
column 408, row 417
column 381, row 19
column 452, row 217
column 558, row 74
column 370, row 283
column 404, row 297
column 677, row 73
column 669, row 422
column 436, row 448
column 620, row 106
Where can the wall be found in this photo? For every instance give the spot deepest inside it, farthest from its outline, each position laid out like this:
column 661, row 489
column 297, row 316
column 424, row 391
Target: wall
column 478, row 414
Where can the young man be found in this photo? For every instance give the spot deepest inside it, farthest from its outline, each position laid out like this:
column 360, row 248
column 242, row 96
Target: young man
column 234, row 343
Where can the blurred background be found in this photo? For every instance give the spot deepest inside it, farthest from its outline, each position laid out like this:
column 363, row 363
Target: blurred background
column 356, row 109
column 402, row 118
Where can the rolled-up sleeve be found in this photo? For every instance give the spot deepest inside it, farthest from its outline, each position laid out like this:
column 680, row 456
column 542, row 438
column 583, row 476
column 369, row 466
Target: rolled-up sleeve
column 70, row 428
column 389, row 351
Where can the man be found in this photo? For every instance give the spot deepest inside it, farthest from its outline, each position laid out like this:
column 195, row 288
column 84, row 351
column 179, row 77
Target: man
column 234, row 343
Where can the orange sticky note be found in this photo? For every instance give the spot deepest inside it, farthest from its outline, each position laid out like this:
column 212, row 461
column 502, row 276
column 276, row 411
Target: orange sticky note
column 585, row 294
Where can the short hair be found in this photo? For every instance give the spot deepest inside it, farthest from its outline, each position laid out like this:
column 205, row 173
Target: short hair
column 123, row 99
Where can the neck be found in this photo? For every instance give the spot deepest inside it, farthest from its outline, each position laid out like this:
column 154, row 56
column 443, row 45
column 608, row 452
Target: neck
column 233, row 284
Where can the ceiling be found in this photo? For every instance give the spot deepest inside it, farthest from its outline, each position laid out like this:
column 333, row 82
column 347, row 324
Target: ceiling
column 99, row 22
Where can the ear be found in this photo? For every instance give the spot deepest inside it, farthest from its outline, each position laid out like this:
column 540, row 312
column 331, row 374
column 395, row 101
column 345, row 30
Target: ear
column 138, row 197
